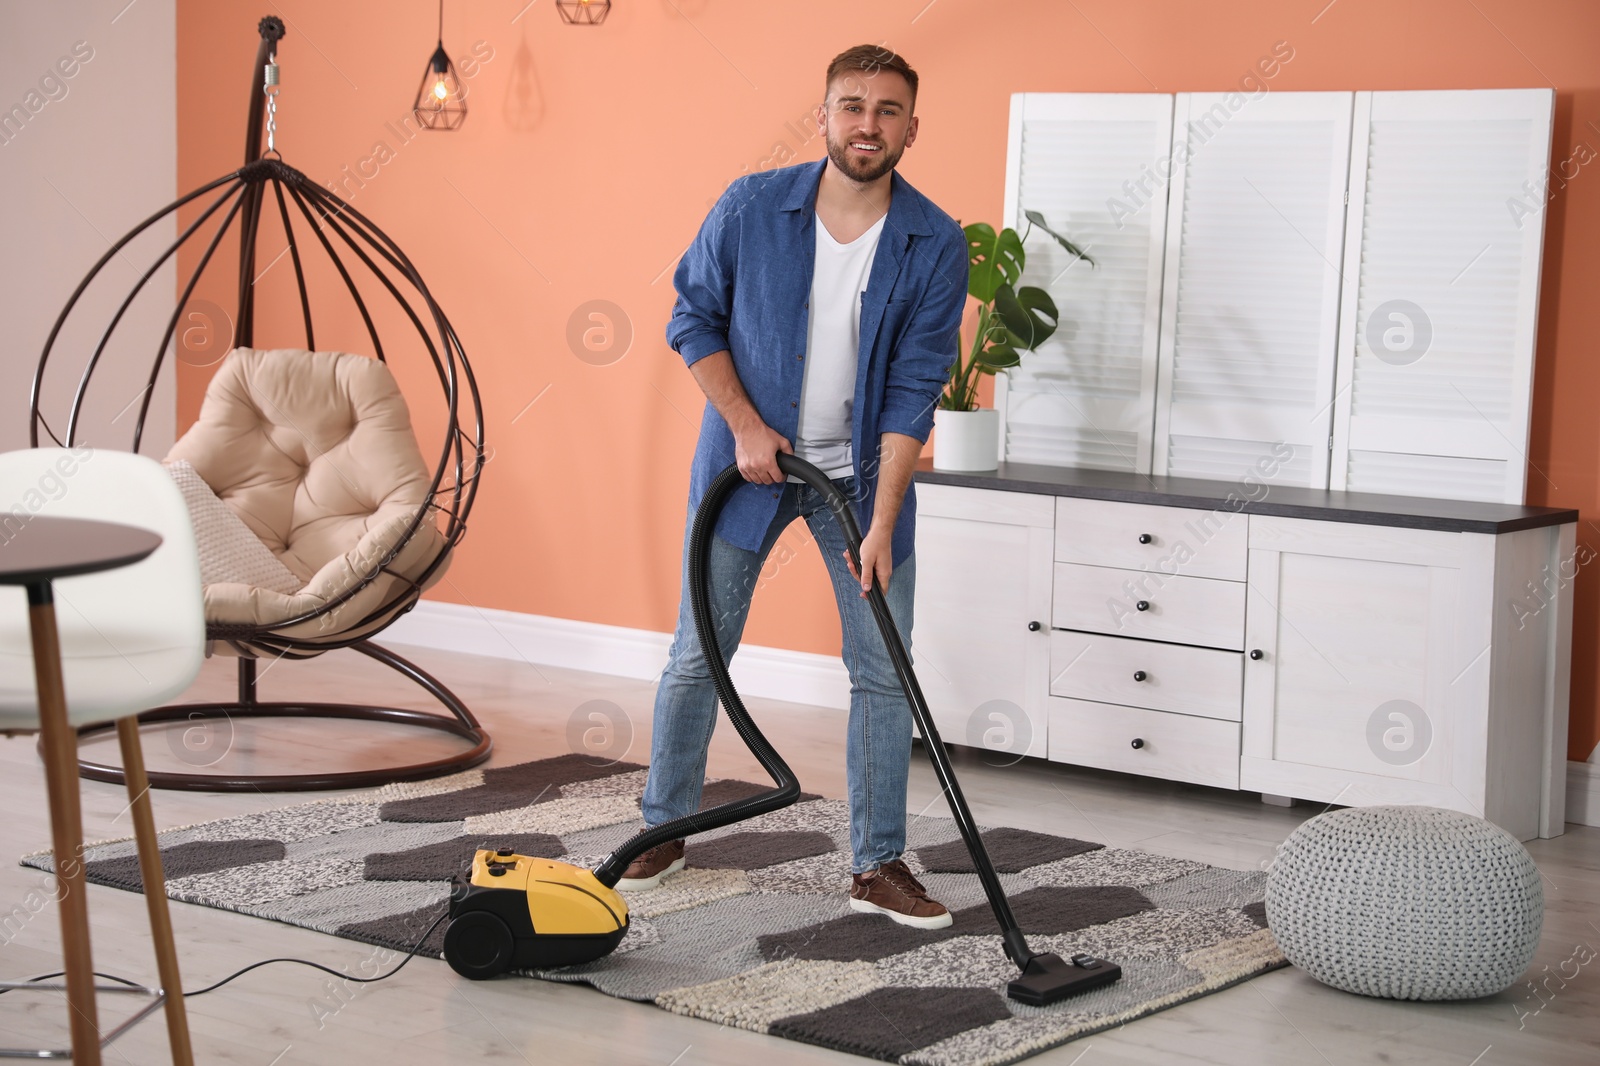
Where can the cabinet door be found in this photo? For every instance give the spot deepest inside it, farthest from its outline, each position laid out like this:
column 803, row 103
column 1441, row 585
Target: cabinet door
column 983, row 575
column 1367, row 666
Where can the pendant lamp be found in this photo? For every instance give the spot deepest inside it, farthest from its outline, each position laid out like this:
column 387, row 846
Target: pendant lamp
column 584, row 12
column 441, row 98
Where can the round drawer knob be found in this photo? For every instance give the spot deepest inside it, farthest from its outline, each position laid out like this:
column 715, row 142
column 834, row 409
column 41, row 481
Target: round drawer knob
column 1142, row 605
column 1137, row 743
column 1034, row 627
column 1145, row 538
column 1255, row 653
column 1139, row 675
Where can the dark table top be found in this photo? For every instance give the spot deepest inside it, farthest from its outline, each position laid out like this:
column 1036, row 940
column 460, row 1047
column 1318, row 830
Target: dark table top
column 1285, row 501
column 44, row 549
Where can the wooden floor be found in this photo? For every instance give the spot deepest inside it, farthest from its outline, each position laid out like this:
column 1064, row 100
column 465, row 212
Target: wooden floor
column 425, row 1014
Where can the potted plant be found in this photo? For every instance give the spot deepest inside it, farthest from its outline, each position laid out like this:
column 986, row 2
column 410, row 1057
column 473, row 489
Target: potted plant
column 1010, row 321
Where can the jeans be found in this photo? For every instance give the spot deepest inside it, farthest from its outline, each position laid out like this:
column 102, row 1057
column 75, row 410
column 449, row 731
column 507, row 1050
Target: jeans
column 878, row 743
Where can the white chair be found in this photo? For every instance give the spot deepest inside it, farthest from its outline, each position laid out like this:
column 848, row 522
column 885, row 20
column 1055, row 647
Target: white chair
column 129, row 639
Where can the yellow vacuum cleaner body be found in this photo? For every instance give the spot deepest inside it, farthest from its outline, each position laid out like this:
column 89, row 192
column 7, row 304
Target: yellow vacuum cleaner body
column 513, row 912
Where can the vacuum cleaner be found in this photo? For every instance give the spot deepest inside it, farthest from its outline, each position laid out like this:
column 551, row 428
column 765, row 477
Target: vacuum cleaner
column 511, row 911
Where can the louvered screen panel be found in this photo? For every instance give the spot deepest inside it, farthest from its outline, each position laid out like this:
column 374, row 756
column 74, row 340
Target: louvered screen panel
column 1251, row 291
column 1446, row 476
column 1048, row 437
column 1442, row 268
column 1265, row 461
column 1085, row 397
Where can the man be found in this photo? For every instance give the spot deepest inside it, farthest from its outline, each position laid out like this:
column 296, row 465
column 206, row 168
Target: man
column 819, row 309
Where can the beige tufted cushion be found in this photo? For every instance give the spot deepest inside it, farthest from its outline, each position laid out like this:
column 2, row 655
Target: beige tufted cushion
column 229, row 552
column 314, row 452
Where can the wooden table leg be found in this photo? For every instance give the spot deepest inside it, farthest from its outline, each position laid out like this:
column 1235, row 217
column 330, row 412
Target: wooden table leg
column 66, row 824
column 155, row 889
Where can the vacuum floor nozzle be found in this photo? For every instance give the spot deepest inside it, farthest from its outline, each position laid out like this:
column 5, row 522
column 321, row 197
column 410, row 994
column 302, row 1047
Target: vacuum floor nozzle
column 1048, row 978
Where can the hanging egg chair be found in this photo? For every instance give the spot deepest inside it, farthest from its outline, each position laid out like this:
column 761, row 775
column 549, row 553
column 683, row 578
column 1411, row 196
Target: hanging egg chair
column 317, row 513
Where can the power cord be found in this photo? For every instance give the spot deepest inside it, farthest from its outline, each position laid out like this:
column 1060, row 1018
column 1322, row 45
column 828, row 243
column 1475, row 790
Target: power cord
column 264, row 962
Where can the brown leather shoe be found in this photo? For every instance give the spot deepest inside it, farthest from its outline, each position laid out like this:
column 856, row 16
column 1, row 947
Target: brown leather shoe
column 647, row 870
column 891, row 890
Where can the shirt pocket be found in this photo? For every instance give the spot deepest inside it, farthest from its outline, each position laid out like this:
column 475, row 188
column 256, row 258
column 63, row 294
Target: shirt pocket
column 897, row 315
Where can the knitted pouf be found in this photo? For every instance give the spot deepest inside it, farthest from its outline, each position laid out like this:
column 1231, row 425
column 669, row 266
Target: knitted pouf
column 1406, row 903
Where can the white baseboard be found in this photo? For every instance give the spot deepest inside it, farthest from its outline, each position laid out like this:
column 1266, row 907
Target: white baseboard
column 770, row 673
column 1583, row 793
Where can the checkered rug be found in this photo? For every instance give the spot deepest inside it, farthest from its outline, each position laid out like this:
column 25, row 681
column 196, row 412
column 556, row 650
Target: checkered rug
column 757, row 932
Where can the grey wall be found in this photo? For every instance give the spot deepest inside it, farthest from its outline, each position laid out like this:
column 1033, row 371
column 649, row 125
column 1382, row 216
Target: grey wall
column 88, row 149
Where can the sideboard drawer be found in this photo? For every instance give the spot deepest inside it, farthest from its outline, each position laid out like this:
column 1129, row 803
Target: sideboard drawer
column 1167, row 540
column 1184, row 610
column 1178, row 747
column 1147, row 673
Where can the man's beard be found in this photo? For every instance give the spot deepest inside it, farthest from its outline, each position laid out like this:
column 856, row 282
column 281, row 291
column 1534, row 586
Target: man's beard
column 860, row 168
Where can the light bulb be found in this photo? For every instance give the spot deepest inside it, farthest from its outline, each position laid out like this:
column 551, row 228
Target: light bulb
column 440, row 103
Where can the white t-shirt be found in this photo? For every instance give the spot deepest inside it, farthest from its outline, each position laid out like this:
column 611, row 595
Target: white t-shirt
column 833, row 334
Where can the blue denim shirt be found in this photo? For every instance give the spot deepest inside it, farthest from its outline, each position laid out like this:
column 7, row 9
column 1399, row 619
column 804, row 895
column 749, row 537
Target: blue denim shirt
column 744, row 285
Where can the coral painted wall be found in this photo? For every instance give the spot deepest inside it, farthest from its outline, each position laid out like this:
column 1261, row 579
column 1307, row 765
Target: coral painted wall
column 591, row 155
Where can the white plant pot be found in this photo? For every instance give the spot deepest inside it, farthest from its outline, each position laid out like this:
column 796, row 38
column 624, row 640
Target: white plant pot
column 966, row 441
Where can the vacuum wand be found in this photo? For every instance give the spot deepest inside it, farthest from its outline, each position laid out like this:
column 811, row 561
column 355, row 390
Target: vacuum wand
column 1046, row 977
column 1016, row 946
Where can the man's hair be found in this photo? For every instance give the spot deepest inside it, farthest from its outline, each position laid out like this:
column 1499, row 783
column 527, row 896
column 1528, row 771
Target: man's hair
column 871, row 58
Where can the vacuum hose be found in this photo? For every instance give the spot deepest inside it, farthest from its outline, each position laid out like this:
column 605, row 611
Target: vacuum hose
column 611, row 870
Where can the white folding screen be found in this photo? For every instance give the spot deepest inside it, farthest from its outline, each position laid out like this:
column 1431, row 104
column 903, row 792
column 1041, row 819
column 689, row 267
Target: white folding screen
column 1250, row 300
column 1343, row 284
column 1442, row 254
column 1092, row 165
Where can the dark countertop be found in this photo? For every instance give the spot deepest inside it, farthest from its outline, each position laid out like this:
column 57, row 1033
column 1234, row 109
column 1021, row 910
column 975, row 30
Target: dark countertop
column 1322, row 505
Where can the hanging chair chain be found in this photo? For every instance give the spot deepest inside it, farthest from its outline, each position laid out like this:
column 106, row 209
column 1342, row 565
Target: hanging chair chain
column 271, row 89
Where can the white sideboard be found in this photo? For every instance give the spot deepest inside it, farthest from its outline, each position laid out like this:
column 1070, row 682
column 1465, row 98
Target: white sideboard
column 1336, row 647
